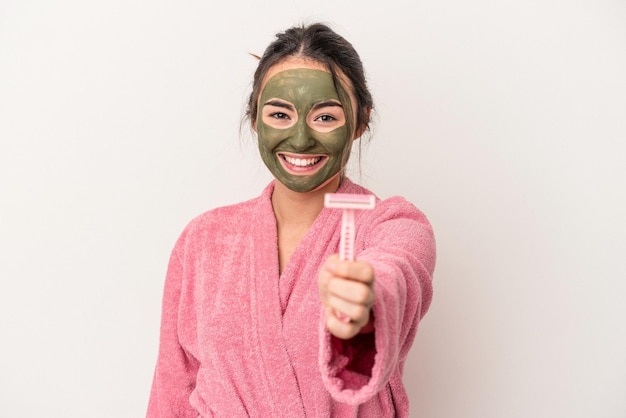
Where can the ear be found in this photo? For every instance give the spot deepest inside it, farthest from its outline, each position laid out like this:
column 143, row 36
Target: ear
column 361, row 129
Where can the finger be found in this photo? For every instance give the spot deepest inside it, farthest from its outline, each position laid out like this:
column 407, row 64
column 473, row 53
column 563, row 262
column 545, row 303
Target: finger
column 352, row 291
column 354, row 270
column 358, row 314
column 323, row 281
column 342, row 317
column 340, row 329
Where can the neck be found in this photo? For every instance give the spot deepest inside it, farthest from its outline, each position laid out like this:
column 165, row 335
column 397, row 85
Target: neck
column 296, row 209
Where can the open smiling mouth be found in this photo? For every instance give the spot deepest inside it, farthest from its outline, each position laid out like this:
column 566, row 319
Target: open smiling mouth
column 302, row 163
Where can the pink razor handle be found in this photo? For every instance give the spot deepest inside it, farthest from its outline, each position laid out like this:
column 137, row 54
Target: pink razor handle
column 347, row 202
column 346, row 241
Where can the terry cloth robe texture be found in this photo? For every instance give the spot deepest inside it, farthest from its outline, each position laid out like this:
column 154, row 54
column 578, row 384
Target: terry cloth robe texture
column 239, row 339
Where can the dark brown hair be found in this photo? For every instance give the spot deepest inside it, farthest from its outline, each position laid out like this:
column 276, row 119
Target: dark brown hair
column 320, row 43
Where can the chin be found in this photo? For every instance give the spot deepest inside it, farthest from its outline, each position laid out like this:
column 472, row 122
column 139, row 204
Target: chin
column 301, row 188
column 312, row 187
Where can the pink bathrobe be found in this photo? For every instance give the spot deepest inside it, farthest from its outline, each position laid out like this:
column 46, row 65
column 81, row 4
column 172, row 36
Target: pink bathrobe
column 239, row 339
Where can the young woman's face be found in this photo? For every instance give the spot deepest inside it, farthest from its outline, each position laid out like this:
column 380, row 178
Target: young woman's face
column 305, row 125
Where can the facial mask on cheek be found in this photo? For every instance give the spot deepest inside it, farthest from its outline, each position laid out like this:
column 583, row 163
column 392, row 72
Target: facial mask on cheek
column 292, row 153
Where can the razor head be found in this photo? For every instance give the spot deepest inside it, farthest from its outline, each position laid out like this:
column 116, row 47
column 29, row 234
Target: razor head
column 349, row 201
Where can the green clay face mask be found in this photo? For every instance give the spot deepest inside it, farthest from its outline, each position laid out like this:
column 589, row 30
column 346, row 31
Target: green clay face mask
column 304, row 127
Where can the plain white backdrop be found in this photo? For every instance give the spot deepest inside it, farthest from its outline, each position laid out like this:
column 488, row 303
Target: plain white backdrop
column 504, row 121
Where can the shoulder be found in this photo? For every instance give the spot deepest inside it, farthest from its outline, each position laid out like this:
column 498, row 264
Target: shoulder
column 399, row 218
column 397, row 225
column 224, row 220
column 395, row 207
column 223, row 216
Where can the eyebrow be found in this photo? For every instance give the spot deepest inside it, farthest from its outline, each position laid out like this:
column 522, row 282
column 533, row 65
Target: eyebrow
column 326, row 103
column 316, row 106
column 277, row 103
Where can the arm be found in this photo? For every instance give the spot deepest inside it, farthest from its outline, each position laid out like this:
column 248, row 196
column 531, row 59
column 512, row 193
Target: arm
column 398, row 243
column 176, row 370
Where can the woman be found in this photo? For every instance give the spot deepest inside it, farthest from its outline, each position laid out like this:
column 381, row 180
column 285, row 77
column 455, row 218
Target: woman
column 260, row 316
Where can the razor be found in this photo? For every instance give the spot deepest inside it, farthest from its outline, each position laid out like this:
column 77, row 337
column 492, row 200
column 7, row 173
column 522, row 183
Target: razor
column 349, row 203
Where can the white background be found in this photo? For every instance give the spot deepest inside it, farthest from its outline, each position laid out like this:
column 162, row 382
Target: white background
column 504, row 121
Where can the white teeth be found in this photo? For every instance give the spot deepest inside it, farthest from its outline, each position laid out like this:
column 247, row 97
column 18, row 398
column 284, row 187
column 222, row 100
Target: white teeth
column 302, row 162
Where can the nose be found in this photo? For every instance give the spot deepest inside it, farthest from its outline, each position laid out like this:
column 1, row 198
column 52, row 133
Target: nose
column 301, row 139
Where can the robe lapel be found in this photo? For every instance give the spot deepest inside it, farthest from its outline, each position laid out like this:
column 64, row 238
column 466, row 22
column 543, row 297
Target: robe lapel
column 280, row 379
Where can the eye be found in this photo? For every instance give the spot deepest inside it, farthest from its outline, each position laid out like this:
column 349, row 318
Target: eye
column 279, row 115
column 325, row 118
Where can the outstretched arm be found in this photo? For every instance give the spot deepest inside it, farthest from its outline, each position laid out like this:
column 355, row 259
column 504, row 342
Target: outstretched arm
column 397, row 243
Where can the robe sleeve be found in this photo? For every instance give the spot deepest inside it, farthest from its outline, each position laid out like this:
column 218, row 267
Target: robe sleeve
column 398, row 241
column 176, row 369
